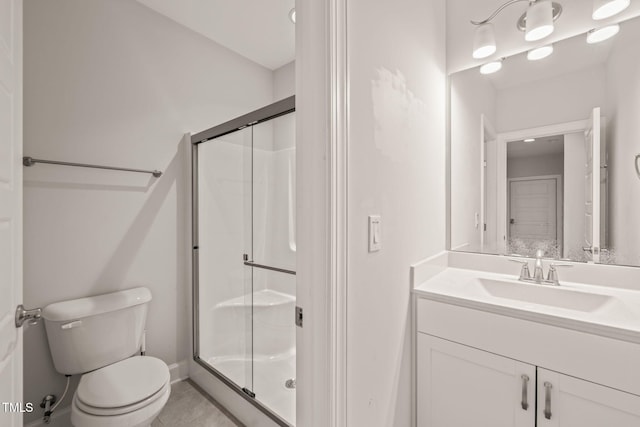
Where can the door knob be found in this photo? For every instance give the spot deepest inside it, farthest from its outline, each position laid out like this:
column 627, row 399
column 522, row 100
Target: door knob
column 23, row 315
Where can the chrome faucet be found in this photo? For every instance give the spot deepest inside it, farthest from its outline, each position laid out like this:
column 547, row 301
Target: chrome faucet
column 538, row 271
column 525, row 275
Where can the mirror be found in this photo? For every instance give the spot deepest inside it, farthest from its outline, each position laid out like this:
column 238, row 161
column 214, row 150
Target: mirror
column 544, row 153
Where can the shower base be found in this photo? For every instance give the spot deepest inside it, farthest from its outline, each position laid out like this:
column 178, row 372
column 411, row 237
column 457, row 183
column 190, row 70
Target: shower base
column 270, row 375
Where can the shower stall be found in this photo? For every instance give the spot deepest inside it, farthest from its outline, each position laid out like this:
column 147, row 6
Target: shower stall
column 244, row 256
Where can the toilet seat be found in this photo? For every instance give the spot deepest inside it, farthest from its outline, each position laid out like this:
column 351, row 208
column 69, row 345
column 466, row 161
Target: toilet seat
column 120, row 410
column 142, row 417
column 122, row 387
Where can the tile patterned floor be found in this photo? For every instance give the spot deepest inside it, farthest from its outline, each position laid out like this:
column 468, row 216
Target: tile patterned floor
column 187, row 406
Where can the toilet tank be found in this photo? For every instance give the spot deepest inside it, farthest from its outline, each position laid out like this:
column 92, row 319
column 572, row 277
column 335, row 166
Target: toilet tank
column 88, row 333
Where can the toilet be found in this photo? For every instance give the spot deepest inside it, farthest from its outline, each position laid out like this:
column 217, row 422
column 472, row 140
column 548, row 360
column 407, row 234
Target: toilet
column 101, row 337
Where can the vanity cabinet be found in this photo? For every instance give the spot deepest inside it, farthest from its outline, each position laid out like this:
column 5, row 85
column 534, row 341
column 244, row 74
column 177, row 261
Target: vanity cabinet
column 459, row 385
column 578, row 403
column 462, row 386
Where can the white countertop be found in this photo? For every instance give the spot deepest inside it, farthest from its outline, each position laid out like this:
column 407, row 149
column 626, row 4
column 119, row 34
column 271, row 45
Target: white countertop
column 602, row 310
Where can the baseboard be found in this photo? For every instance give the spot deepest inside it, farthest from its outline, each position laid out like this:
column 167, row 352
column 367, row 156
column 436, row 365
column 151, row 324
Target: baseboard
column 179, row 371
column 60, row 418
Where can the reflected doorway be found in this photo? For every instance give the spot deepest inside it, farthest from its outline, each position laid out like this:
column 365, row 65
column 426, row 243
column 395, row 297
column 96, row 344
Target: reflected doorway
column 535, row 171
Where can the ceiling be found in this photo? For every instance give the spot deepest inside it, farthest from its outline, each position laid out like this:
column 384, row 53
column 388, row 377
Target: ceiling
column 575, row 19
column 258, row 30
column 550, row 145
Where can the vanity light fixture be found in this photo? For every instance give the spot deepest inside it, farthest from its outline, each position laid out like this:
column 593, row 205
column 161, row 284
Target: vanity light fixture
column 529, row 140
column 292, row 15
column 603, row 9
column 491, row 67
column 536, row 22
column 540, row 52
column 484, row 41
column 539, row 21
column 602, row 34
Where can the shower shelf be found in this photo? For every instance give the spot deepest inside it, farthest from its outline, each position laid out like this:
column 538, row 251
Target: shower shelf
column 262, row 298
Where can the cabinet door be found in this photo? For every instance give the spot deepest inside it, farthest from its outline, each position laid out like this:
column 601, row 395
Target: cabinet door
column 565, row 401
column 460, row 386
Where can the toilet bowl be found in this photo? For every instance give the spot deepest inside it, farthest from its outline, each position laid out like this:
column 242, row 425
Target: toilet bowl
column 129, row 393
column 99, row 337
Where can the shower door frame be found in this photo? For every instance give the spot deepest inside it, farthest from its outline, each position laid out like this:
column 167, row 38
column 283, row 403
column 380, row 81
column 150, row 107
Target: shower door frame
column 271, row 111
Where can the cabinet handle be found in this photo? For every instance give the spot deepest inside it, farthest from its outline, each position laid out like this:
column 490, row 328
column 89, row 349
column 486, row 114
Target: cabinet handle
column 525, row 387
column 547, row 400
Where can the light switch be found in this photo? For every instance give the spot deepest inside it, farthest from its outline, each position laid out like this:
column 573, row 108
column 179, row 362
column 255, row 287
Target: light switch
column 375, row 233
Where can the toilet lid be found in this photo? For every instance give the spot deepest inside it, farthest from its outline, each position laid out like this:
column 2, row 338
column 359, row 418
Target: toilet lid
column 124, row 383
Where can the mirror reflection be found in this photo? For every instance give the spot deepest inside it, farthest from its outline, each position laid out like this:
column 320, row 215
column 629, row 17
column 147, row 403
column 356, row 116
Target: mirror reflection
column 543, row 152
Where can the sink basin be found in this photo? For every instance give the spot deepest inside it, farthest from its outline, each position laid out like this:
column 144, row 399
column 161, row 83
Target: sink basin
column 609, row 311
column 553, row 296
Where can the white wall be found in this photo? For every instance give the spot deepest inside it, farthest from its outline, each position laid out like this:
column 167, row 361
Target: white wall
column 559, row 99
column 111, row 82
column 548, row 164
column 284, row 81
column 396, row 168
column 623, row 92
column 472, row 95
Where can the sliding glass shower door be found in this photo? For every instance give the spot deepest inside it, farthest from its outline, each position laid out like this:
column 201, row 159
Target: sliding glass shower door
column 274, row 257
column 224, row 228
column 244, row 259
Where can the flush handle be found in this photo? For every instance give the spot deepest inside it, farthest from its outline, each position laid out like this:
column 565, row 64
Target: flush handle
column 70, row 325
column 525, row 386
column 547, row 400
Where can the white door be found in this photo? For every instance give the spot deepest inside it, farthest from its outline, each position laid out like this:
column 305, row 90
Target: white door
column 10, row 210
column 592, row 192
column 462, row 386
column 533, row 210
column 565, row 401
